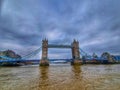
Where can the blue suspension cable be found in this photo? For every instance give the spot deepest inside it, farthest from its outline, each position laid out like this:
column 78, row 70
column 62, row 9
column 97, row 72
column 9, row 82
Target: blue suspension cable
column 32, row 53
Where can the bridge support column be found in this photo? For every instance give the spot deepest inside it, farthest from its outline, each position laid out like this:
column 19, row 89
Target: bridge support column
column 75, row 53
column 44, row 60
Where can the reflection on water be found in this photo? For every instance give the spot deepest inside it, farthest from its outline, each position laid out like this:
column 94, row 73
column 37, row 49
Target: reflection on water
column 44, row 79
column 60, row 77
column 77, row 72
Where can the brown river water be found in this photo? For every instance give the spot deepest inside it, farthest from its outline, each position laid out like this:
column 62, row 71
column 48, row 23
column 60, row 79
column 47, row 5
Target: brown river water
column 60, row 77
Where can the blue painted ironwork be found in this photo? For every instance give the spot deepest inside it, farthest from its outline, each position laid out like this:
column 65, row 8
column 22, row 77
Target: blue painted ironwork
column 68, row 60
column 32, row 54
column 116, row 57
column 59, row 46
column 9, row 58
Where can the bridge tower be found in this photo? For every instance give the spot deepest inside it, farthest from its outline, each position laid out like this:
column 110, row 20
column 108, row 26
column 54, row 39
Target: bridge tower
column 75, row 53
column 44, row 59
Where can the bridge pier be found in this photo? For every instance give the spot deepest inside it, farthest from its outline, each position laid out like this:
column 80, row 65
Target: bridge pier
column 44, row 60
column 75, row 53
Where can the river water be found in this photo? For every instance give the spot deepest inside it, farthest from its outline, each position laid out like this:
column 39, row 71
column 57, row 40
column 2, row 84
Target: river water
column 60, row 77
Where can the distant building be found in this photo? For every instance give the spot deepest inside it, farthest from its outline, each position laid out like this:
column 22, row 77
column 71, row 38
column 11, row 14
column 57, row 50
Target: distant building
column 9, row 53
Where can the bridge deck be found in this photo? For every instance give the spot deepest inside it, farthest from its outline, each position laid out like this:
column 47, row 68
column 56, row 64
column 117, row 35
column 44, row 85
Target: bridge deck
column 23, row 61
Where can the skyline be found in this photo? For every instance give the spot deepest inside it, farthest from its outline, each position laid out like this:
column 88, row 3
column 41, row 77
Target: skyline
column 24, row 23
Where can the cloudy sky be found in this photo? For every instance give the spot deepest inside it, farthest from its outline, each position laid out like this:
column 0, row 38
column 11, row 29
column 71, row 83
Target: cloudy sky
column 94, row 23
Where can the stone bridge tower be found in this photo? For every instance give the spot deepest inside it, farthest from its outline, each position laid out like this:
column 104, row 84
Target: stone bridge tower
column 75, row 53
column 44, row 60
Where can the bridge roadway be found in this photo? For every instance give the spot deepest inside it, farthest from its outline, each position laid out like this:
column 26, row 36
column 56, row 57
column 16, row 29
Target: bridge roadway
column 22, row 61
column 36, row 60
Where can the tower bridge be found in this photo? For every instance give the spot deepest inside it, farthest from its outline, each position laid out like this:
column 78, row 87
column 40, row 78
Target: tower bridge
column 76, row 53
column 74, row 50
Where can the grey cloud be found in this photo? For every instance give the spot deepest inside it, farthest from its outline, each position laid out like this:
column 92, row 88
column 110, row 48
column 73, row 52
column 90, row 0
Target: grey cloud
column 94, row 23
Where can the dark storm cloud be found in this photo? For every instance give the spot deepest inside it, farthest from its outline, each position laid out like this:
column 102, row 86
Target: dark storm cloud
column 0, row 5
column 95, row 23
